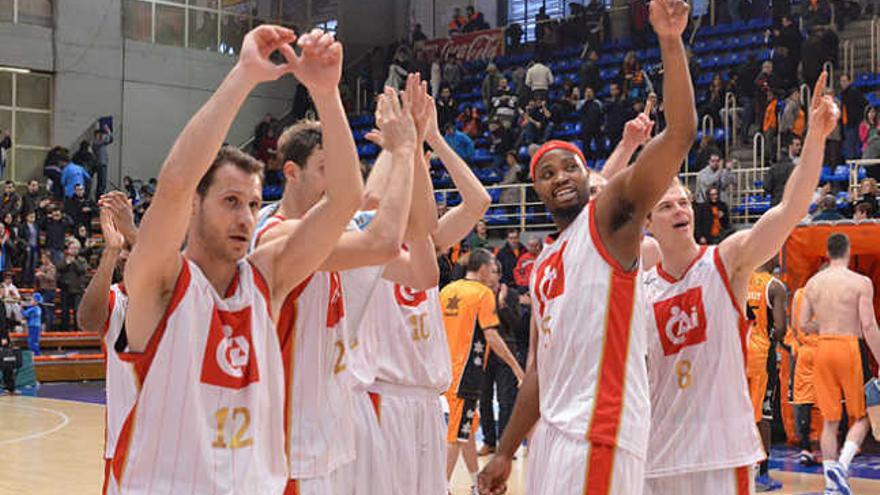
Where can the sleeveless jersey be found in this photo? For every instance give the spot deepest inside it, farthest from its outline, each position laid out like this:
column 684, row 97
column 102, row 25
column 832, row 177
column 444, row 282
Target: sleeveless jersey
column 319, row 429
column 361, row 321
column 759, row 312
column 209, row 408
column 703, row 417
column 591, row 340
column 121, row 385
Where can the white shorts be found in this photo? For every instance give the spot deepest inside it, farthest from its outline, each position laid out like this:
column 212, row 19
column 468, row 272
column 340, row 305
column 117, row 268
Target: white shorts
column 414, row 433
column 732, row 481
column 561, row 465
column 341, row 480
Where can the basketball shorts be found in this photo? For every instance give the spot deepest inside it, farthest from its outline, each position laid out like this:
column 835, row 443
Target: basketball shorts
column 758, row 379
column 463, row 418
column 413, row 430
column 563, row 465
column 733, row 481
column 838, row 376
column 804, row 388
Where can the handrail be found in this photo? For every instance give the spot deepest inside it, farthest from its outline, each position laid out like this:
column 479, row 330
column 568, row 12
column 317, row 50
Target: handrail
column 854, row 170
column 875, row 43
column 805, row 100
column 730, row 127
column 711, row 124
column 829, row 67
column 848, row 58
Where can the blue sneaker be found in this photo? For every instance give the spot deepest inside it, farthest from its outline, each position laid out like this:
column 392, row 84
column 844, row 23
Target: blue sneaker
column 839, row 479
column 765, row 483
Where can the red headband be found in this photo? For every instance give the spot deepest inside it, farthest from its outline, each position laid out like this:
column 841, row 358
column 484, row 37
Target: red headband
column 555, row 145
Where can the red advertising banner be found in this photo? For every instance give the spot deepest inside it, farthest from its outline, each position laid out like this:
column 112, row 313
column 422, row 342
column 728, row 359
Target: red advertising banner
column 480, row 45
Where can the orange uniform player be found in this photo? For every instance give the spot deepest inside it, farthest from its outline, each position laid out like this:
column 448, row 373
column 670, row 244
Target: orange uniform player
column 804, row 393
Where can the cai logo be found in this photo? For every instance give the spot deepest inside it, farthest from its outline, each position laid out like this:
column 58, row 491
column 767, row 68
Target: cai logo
column 229, row 359
column 409, row 297
column 550, row 278
column 681, row 321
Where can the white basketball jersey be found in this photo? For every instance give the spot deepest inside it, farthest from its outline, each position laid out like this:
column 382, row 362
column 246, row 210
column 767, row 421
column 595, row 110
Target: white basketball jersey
column 319, row 418
column 361, row 321
column 210, row 408
column 121, row 382
column 591, row 340
column 410, row 347
column 703, row 418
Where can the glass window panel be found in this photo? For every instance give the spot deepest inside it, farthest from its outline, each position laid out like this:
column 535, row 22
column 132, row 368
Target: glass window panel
column 6, row 10
column 37, row 12
column 5, row 120
column 6, row 88
column 169, row 25
column 203, row 30
column 28, row 163
column 137, row 17
column 34, row 91
column 232, row 32
column 32, row 128
column 209, row 4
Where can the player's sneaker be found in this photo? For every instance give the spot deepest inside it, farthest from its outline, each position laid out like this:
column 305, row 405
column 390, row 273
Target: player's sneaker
column 806, row 458
column 764, row 483
column 839, row 480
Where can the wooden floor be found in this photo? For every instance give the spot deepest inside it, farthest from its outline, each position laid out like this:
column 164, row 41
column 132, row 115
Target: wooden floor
column 54, row 447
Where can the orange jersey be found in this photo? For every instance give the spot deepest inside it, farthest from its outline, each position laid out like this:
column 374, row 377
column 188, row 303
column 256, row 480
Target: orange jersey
column 468, row 309
column 760, row 316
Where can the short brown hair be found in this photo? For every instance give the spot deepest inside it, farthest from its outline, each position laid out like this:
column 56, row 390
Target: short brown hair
column 231, row 156
column 837, row 245
column 299, row 141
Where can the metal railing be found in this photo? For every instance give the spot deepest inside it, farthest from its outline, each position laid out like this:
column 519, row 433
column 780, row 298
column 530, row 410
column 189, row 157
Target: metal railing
column 848, row 59
column 730, row 122
column 854, row 170
column 875, row 43
column 806, row 99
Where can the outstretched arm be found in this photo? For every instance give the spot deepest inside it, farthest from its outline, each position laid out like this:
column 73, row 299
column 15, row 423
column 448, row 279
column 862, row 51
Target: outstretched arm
column 636, row 133
column 779, row 299
column 94, row 308
column 748, row 249
column 155, row 261
column 632, row 193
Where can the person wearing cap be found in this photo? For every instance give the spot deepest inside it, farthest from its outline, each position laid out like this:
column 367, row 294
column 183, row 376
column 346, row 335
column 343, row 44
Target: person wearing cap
column 586, row 386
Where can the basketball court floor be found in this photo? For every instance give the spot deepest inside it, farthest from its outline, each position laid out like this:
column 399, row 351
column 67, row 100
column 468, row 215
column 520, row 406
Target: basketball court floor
column 52, row 444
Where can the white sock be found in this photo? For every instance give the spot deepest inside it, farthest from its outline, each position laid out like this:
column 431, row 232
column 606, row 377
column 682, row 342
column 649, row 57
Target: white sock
column 847, row 454
column 474, row 479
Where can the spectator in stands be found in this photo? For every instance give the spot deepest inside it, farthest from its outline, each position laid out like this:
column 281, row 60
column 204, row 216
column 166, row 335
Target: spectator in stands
column 523, row 270
column 793, row 121
column 788, row 35
column 46, row 284
column 417, row 34
column 592, row 114
column 460, row 142
column 633, row 79
column 869, row 133
column 714, row 176
column 72, row 282
column 11, row 202
column 705, row 150
column 535, row 123
column 30, row 234
column 853, row 106
column 103, row 138
column 714, row 101
column 618, row 111
column 456, row 25
column 745, row 94
column 266, row 146
column 452, row 73
column 129, row 187
column 508, row 255
column 479, row 238
column 504, row 104
column 447, row 108
column 785, row 66
column 588, row 72
column 766, row 85
column 833, row 141
column 500, row 142
column 777, row 176
column 71, row 175
column 5, row 145
column 862, row 212
column 541, row 20
column 33, row 315
column 9, row 242
column 35, row 199
column 711, row 219
column 11, row 301
column 80, row 208
column 146, row 199
column 641, row 28
column 471, row 124
column 539, row 78
column 396, row 73
column 489, row 88
column 55, row 227
column 866, row 194
column 828, row 210
column 475, row 21
column 84, row 156
column 513, row 174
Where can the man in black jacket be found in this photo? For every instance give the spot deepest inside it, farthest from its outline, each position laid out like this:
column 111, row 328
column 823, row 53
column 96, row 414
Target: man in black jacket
column 711, row 219
column 777, row 176
column 80, row 208
column 508, row 254
column 72, row 282
column 618, row 110
column 589, row 72
column 852, row 109
column 592, row 114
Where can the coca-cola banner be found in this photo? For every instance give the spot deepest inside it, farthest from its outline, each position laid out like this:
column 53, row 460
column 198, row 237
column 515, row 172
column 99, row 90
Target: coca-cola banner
column 481, row 45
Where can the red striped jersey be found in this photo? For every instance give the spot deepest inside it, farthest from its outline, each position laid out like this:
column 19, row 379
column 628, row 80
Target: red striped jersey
column 121, row 386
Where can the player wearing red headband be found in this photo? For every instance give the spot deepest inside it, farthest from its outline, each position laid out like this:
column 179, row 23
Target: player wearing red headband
column 587, row 387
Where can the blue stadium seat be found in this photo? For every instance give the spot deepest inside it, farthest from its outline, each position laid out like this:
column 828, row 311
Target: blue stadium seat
column 481, row 156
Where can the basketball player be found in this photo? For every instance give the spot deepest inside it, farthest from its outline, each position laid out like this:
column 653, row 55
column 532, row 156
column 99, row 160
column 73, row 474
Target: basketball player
column 199, row 325
column 766, row 300
column 102, row 310
column 842, row 302
column 471, row 319
column 697, row 332
column 329, row 414
column 804, row 393
column 589, row 384
column 410, row 349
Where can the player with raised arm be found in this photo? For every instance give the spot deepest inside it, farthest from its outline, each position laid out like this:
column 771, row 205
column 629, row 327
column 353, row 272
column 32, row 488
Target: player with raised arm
column 199, row 324
column 697, row 331
column 842, row 302
column 587, row 382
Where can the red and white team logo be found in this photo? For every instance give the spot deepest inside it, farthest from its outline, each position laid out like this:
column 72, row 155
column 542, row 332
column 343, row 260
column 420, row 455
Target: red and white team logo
column 409, row 297
column 681, row 321
column 336, row 307
column 229, row 357
column 550, row 278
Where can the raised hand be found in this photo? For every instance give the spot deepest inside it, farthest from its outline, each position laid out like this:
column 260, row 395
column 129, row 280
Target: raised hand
column 824, row 112
column 112, row 237
column 319, row 66
column 396, row 129
column 669, row 17
column 421, row 105
column 493, row 478
column 122, row 215
column 637, row 131
column 258, row 45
